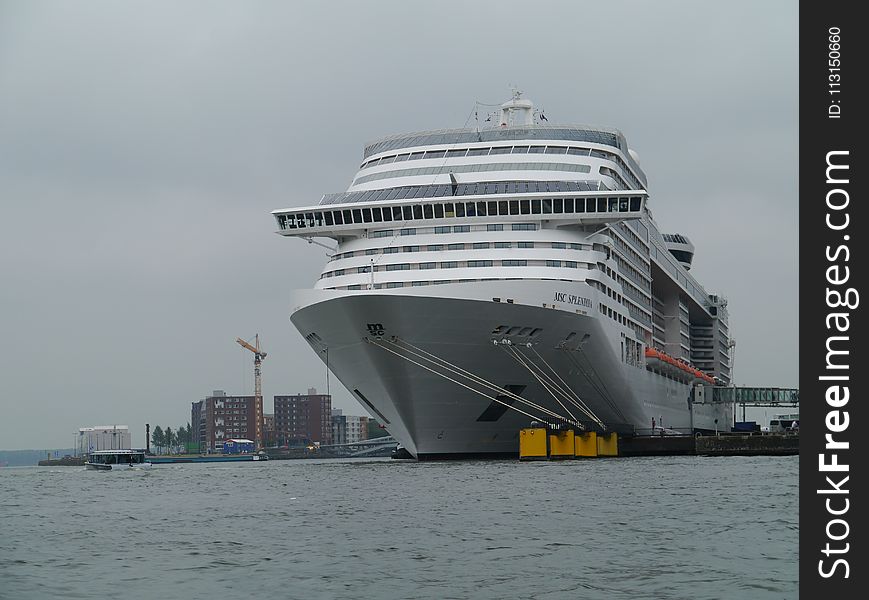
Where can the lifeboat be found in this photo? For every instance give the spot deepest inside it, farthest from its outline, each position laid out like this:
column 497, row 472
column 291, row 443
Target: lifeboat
column 676, row 368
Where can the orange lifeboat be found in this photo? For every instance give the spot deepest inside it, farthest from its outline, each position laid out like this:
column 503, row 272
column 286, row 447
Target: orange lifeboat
column 677, row 368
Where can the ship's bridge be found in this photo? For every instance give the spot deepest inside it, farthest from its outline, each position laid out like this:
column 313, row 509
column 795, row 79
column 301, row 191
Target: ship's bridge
column 352, row 213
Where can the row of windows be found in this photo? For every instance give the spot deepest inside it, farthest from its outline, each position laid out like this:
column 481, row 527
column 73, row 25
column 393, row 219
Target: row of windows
column 535, row 206
column 458, row 246
column 454, row 264
column 635, row 240
column 491, row 151
column 480, row 188
column 476, row 168
column 613, row 175
column 494, row 135
column 401, row 284
column 639, row 261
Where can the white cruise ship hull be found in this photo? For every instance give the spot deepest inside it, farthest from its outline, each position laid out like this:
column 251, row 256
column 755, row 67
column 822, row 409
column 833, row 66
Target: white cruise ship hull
column 435, row 415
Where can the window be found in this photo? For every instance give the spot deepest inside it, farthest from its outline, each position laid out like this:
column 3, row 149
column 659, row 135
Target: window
column 461, row 228
column 439, row 211
column 381, row 233
column 435, row 153
column 391, row 250
column 442, row 229
column 480, row 245
column 479, row 263
column 514, row 263
column 524, row 227
column 410, row 231
column 455, row 247
column 553, row 263
column 435, row 247
column 401, row 157
column 456, row 153
column 556, row 149
column 578, row 151
column 365, row 269
column 525, row 245
column 494, row 228
column 398, row 267
column 559, row 245
column 427, row 211
column 571, row 264
column 416, row 155
column 501, row 150
column 503, row 245
column 536, row 149
column 520, row 150
column 410, row 249
column 370, row 251
column 395, row 284
column 427, row 265
column 478, row 152
column 449, row 264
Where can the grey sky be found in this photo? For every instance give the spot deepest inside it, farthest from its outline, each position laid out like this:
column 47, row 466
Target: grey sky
column 142, row 146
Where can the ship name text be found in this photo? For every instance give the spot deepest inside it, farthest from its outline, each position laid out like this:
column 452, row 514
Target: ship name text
column 572, row 299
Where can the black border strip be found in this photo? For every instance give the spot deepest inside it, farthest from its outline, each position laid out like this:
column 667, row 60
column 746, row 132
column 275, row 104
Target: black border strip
column 831, row 241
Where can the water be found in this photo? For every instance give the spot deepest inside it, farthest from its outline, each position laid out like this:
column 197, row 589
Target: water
column 658, row 527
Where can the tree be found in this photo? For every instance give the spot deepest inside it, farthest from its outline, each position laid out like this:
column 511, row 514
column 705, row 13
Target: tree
column 158, row 438
column 169, row 437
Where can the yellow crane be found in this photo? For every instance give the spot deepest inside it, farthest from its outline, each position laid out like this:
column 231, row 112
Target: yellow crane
column 258, row 357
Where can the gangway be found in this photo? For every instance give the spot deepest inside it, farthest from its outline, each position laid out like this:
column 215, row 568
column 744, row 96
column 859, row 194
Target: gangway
column 762, row 397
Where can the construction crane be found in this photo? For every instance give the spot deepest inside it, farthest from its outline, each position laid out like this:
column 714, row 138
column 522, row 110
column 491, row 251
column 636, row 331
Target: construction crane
column 258, row 357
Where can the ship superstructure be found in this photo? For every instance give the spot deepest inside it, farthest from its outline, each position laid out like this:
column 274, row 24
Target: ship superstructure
column 485, row 277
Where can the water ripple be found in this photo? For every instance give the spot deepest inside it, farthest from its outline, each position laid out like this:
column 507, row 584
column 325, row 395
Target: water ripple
column 657, row 527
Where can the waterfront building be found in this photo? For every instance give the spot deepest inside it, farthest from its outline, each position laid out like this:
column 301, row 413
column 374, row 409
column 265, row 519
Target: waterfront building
column 220, row 417
column 103, row 437
column 347, row 429
column 303, row 418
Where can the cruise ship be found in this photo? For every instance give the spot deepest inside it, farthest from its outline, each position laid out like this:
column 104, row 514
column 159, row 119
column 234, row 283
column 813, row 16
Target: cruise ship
column 482, row 279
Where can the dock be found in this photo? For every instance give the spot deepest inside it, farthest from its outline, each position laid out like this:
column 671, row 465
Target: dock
column 545, row 444
column 66, row 461
column 205, row 458
column 766, row 444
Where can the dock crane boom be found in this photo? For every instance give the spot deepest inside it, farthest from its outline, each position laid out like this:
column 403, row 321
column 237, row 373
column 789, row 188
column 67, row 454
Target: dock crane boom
column 258, row 357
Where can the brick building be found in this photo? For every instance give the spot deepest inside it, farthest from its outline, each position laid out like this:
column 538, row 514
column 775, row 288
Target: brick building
column 303, row 418
column 219, row 417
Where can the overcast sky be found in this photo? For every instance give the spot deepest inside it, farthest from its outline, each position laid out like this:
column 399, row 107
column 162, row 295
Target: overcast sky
column 143, row 145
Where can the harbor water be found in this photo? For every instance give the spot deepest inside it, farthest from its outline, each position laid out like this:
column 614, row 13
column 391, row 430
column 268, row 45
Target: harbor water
column 623, row 528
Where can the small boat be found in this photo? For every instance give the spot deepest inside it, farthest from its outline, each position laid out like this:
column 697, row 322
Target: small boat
column 110, row 460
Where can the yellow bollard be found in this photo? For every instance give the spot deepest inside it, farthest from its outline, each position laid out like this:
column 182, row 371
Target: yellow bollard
column 586, row 445
column 561, row 444
column 532, row 444
column 608, row 444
